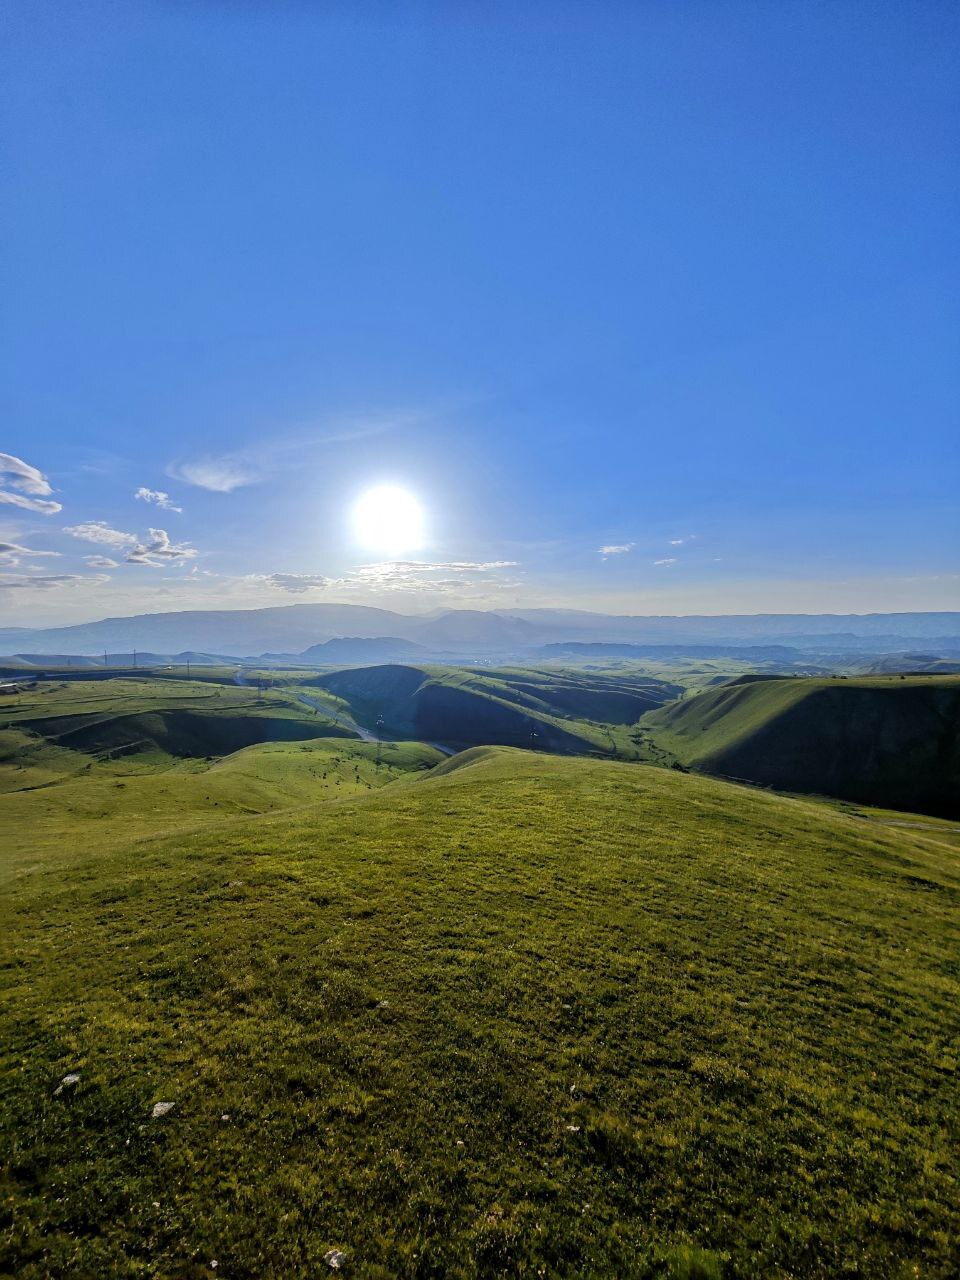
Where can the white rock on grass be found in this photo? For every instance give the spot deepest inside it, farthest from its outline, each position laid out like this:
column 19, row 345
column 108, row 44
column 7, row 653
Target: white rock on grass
column 68, row 1082
column 161, row 1109
column 334, row 1258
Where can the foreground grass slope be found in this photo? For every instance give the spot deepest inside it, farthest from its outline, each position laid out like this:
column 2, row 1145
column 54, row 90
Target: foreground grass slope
column 517, row 1016
column 886, row 740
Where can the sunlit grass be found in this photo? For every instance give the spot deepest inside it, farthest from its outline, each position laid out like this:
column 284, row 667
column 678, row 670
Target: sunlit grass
column 518, row 1015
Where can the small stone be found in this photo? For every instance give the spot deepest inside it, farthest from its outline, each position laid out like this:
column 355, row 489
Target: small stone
column 334, row 1258
column 68, row 1082
column 225, row 1117
column 459, row 1142
column 572, row 1128
column 161, row 1109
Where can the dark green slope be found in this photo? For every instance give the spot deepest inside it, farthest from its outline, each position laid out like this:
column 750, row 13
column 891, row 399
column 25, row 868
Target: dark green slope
column 144, row 716
column 888, row 741
column 467, row 706
column 528, row 1016
column 180, row 732
column 434, row 705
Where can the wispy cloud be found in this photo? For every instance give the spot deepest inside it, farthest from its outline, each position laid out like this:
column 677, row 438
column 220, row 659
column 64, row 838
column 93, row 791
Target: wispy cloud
column 44, row 505
column 11, row 553
column 159, row 550
column 20, row 475
column 446, row 577
column 294, row 583
column 155, row 550
column 158, row 498
column 49, row 582
column 425, row 577
column 31, row 485
column 100, row 532
column 222, row 473
column 615, row 549
column 100, row 562
column 219, row 475
column 679, row 542
column 418, row 576
column 668, row 560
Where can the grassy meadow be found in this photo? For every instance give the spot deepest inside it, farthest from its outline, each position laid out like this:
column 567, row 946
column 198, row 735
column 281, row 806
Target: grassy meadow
column 510, row 1014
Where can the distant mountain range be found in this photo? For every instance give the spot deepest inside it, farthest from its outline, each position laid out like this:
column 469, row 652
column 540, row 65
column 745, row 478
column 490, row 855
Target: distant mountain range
column 355, row 649
column 292, row 629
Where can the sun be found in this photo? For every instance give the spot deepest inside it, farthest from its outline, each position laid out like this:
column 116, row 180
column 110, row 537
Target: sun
column 388, row 520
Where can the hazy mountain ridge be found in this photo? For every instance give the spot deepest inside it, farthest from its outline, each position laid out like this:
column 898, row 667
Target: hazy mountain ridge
column 295, row 628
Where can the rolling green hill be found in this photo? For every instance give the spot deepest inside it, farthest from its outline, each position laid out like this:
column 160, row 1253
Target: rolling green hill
column 109, row 802
column 88, row 763
column 147, row 717
column 884, row 740
column 520, row 1015
column 466, row 706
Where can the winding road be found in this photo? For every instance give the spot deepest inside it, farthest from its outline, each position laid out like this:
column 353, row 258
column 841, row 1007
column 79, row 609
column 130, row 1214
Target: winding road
column 337, row 716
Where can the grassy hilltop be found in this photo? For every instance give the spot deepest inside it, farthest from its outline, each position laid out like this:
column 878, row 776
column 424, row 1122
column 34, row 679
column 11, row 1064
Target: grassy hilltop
column 887, row 740
column 514, row 1015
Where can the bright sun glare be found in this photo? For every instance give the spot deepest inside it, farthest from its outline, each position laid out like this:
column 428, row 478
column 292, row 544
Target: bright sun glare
column 388, row 520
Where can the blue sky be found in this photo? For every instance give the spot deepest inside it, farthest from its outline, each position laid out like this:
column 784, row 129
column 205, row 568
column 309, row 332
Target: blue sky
column 680, row 280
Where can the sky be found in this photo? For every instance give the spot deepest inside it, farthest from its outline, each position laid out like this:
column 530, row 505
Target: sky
column 651, row 308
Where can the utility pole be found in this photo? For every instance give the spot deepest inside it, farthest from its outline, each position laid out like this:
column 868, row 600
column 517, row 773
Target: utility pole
column 104, row 659
column 379, row 738
column 533, row 739
column 188, row 668
column 134, row 659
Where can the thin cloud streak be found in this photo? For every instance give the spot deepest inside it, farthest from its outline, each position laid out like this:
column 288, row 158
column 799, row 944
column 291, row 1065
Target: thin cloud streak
column 49, row 582
column 31, row 485
column 223, row 473
column 11, row 553
column 416, row 577
column 45, row 506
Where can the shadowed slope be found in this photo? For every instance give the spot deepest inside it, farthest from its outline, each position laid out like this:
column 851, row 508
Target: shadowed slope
column 467, row 706
column 878, row 740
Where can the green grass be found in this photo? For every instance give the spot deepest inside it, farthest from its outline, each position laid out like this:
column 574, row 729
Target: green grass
column 88, row 764
column 108, row 804
column 60, row 728
column 571, row 712
column 519, row 1015
column 890, row 740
